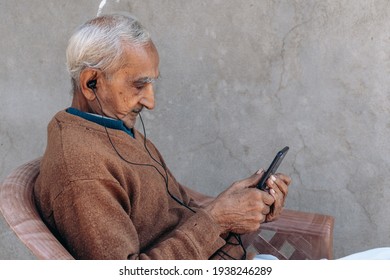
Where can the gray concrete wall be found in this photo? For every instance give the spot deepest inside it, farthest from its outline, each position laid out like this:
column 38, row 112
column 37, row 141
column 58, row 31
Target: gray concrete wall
column 239, row 80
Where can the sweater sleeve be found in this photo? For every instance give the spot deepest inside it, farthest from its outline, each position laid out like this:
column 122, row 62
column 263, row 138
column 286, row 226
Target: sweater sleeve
column 93, row 217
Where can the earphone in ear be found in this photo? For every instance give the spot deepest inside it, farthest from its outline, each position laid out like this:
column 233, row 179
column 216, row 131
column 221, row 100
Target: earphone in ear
column 91, row 84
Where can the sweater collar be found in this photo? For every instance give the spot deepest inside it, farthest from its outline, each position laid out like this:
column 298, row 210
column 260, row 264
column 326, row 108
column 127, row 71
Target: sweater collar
column 101, row 120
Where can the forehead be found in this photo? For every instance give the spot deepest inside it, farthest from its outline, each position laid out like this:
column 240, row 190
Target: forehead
column 140, row 60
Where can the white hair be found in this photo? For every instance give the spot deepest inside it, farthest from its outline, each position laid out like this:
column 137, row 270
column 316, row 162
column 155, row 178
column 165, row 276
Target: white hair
column 99, row 44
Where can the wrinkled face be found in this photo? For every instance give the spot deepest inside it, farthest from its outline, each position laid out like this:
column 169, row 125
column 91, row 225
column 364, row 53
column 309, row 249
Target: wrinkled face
column 124, row 93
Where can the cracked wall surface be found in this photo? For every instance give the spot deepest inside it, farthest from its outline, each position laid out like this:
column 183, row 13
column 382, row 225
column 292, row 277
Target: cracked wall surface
column 239, row 81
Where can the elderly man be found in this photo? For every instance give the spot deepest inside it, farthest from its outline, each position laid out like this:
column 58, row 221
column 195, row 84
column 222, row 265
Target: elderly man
column 104, row 189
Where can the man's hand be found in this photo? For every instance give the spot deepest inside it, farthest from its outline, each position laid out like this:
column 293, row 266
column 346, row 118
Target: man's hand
column 242, row 207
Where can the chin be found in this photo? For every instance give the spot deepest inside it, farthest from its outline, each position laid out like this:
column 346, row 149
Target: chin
column 129, row 123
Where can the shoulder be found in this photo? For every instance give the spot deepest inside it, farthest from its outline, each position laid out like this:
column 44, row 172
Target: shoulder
column 77, row 147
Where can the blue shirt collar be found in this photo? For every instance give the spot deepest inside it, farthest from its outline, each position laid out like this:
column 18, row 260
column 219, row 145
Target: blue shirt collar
column 102, row 120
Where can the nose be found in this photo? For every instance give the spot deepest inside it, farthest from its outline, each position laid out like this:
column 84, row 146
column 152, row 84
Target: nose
column 147, row 99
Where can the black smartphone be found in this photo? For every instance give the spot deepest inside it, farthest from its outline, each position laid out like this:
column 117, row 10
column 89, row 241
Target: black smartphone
column 272, row 168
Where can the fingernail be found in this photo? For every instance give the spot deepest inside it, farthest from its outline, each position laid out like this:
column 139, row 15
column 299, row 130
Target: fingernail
column 273, row 178
column 272, row 191
column 260, row 171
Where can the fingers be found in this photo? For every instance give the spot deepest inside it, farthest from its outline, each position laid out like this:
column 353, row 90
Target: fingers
column 278, row 189
column 278, row 185
column 285, row 178
column 279, row 182
column 265, row 210
column 267, row 198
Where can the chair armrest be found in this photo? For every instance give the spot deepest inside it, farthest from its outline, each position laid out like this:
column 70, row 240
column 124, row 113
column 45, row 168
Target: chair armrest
column 295, row 235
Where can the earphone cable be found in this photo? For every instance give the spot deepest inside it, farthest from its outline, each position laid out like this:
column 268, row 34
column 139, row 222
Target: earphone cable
column 165, row 177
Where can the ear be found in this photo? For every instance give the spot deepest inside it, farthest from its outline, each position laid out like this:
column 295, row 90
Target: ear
column 86, row 76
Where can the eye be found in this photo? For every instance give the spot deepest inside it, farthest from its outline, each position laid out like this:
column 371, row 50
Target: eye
column 139, row 85
column 143, row 82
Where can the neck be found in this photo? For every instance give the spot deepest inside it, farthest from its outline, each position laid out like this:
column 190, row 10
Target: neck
column 79, row 102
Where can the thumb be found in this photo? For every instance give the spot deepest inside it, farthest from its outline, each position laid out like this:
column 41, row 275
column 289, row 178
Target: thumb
column 250, row 181
column 260, row 171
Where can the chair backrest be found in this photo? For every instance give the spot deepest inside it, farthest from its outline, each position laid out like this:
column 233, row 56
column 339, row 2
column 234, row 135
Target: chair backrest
column 18, row 208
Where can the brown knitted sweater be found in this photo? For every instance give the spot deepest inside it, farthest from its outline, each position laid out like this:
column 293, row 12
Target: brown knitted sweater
column 101, row 207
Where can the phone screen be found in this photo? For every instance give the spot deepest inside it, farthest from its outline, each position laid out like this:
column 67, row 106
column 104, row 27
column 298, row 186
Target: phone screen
column 272, row 168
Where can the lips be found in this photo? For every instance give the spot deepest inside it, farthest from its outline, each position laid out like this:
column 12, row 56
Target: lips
column 137, row 111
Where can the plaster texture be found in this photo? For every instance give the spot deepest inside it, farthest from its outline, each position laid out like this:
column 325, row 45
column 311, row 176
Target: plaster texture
column 239, row 81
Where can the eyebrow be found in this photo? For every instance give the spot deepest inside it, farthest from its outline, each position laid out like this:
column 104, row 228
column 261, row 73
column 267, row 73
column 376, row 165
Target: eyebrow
column 146, row 80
